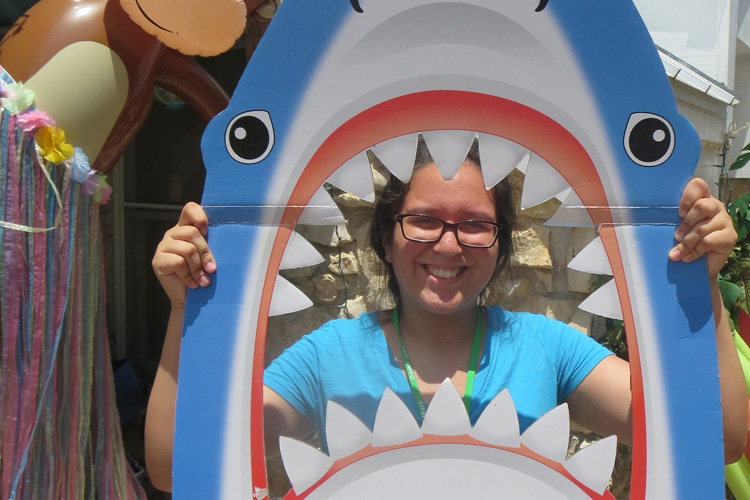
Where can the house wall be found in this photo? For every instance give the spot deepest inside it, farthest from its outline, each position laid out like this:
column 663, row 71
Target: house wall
column 700, row 32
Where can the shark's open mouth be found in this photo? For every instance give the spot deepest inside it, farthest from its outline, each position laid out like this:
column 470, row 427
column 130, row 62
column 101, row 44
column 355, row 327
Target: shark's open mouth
column 510, row 136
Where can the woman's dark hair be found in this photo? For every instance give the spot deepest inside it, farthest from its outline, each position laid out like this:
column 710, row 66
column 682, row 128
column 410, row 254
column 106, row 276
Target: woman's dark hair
column 391, row 200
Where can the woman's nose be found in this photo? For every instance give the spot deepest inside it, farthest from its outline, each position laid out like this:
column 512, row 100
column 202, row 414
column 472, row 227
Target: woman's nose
column 448, row 243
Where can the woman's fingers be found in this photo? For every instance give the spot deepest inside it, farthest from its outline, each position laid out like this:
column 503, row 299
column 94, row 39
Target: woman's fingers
column 190, row 243
column 183, row 258
column 695, row 190
column 703, row 209
column 170, row 264
column 190, row 266
column 193, row 215
column 706, row 228
column 709, row 236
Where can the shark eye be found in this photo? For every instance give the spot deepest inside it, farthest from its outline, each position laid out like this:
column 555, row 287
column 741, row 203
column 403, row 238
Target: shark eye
column 249, row 137
column 649, row 139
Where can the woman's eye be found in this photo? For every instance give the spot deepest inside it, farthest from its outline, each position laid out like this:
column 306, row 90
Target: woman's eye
column 649, row 139
column 249, row 137
column 425, row 223
column 471, row 227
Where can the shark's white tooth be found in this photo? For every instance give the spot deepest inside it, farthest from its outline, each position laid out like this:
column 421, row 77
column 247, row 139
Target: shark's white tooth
column 398, row 155
column 299, row 253
column 549, row 435
column 563, row 195
column 592, row 259
column 571, row 213
column 499, row 157
column 524, row 163
column 542, row 182
column 287, row 298
column 446, row 415
column 355, row 177
column 604, row 302
column 593, row 465
column 304, row 464
column 345, row 433
column 448, row 149
column 498, row 423
column 394, row 423
column 321, row 210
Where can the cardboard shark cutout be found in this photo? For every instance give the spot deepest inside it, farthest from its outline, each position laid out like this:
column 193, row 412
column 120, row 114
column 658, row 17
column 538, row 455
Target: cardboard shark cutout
column 575, row 93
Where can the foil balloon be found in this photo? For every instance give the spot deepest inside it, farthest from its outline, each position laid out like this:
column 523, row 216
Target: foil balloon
column 93, row 63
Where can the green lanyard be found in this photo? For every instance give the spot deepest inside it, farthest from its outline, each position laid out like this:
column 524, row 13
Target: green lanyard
column 470, row 374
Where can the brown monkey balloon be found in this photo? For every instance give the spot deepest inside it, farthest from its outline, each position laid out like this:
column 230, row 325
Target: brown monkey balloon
column 93, row 63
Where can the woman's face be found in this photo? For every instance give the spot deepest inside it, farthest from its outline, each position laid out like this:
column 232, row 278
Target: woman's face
column 443, row 277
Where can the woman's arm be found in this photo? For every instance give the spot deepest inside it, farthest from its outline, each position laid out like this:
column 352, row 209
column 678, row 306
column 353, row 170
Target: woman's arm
column 182, row 260
column 160, row 415
column 281, row 419
column 732, row 379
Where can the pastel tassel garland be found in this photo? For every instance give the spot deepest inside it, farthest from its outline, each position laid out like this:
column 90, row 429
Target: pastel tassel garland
column 59, row 430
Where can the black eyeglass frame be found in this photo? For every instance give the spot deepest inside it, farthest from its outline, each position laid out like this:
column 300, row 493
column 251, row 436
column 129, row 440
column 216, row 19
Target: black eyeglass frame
column 446, row 226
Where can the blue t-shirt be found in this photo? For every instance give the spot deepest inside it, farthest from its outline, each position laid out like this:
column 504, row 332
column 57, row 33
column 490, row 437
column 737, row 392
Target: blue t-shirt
column 539, row 360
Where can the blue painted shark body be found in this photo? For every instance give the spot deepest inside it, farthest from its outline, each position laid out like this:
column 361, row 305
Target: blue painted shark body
column 576, row 82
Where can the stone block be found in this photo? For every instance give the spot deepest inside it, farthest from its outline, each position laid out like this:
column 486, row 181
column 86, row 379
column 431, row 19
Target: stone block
column 561, row 310
column 544, row 210
column 349, row 200
column 300, row 272
column 344, row 263
column 581, row 321
column 327, row 287
column 580, row 282
column 545, row 277
column 532, row 248
column 354, row 307
column 326, row 235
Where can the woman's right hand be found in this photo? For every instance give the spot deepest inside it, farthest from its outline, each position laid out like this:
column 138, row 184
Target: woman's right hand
column 183, row 258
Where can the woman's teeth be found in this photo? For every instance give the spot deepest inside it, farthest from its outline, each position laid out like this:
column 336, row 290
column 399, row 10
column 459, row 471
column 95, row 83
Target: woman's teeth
column 442, row 273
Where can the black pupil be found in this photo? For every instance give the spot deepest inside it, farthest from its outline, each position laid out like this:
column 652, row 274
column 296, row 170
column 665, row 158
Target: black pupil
column 249, row 137
column 650, row 140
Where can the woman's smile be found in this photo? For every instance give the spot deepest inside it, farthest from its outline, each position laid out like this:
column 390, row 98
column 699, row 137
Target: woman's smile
column 443, row 273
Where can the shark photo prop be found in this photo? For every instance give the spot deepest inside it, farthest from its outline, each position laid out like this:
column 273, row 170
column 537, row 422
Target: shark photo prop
column 574, row 92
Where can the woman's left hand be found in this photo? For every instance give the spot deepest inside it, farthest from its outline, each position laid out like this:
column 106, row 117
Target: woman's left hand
column 706, row 228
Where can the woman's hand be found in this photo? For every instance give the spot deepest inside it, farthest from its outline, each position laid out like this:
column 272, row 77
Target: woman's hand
column 183, row 258
column 706, row 228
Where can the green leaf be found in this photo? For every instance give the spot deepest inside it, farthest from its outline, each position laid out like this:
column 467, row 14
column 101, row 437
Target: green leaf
column 742, row 232
column 730, row 294
column 741, row 160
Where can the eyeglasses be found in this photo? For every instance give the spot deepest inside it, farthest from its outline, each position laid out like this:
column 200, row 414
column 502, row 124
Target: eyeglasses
column 426, row 229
